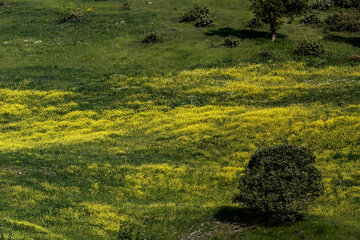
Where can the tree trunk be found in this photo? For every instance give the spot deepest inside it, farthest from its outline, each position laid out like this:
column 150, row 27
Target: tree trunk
column 273, row 36
column 273, row 29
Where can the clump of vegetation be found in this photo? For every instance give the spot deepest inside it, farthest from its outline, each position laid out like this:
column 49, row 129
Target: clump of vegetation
column 71, row 13
column 151, row 37
column 347, row 3
column 204, row 21
column 2, row 236
column 310, row 18
column 6, row 4
column 339, row 22
column 354, row 57
column 271, row 12
column 125, row 6
column 280, row 183
column 128, row 231
column 321, row 5
column 231, row 42
column 266, row 53
column 254, row 23
column 201, row 15
column 309, row 48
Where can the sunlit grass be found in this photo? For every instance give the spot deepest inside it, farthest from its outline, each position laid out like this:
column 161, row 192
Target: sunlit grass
column 166, row 152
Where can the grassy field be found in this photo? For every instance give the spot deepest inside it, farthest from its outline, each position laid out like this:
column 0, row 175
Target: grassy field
column 102, row 134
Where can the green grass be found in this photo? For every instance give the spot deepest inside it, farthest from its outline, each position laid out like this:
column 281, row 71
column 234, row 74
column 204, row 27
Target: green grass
column 100, row 132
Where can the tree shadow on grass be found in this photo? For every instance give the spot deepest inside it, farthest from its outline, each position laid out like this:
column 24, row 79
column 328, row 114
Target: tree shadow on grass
column 243, row 33
column 354, row 41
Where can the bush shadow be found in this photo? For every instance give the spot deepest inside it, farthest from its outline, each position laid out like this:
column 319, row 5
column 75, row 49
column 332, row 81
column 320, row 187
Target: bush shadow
column 239, row 215
column 242, row 33
column 354, row 41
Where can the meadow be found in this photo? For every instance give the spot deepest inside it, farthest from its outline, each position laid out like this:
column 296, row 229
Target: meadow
column 103, row 136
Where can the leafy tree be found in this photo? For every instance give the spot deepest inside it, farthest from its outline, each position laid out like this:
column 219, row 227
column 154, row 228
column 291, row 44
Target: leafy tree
column 272, row 11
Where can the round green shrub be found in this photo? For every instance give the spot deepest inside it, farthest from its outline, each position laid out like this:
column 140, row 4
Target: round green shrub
column 151, row 37
column 195, row 13
column 280, row 183
column 204, row 21
column 309, row 48
column 231, row 42
column 201, row 15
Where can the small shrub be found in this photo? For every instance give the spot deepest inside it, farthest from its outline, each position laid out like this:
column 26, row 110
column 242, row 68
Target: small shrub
column 280, row 183
column 310, row 18
column 343, row 22
column 125, row 6
column 309, row 48
column 2, row 236
column 231, row 42
column 254, row 23
column 201, row 15
column 6, row 4
column 128, row 231
column 322, row 5
column 194, row 13
column 354, row 57
column 151, row 37
column 266, row 53
column 204, row 21
column 71, row 13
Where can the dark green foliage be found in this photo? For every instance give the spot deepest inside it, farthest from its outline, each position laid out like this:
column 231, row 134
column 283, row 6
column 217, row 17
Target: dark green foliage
column 151, row 37
column 194, row 13
column 71, row 13
column 128, row 231
column 339, row 22
column 347, row 3
column 201, row 15
column 125, row 6
column 310, row 18
column 204, row 21
column 309, row 48
column 5, row 4
column 272, row 11
column 254, row 23
column 322, row 5
column 2, row 236
column 266, row 53
column 280, row 183
column 231, row 42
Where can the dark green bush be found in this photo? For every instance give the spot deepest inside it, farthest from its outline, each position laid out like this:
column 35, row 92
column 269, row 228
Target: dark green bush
column 280, row 183
column 125, row 6
column 151, row 37
column 201, row 15
column 310, row 18
column 194, row 13
column 71, row 13
column 309, row 48
column 204, row 21
column 128, row 231
column 339, row 22
column 266, row 53
column 231, row 42
column 322, row 5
